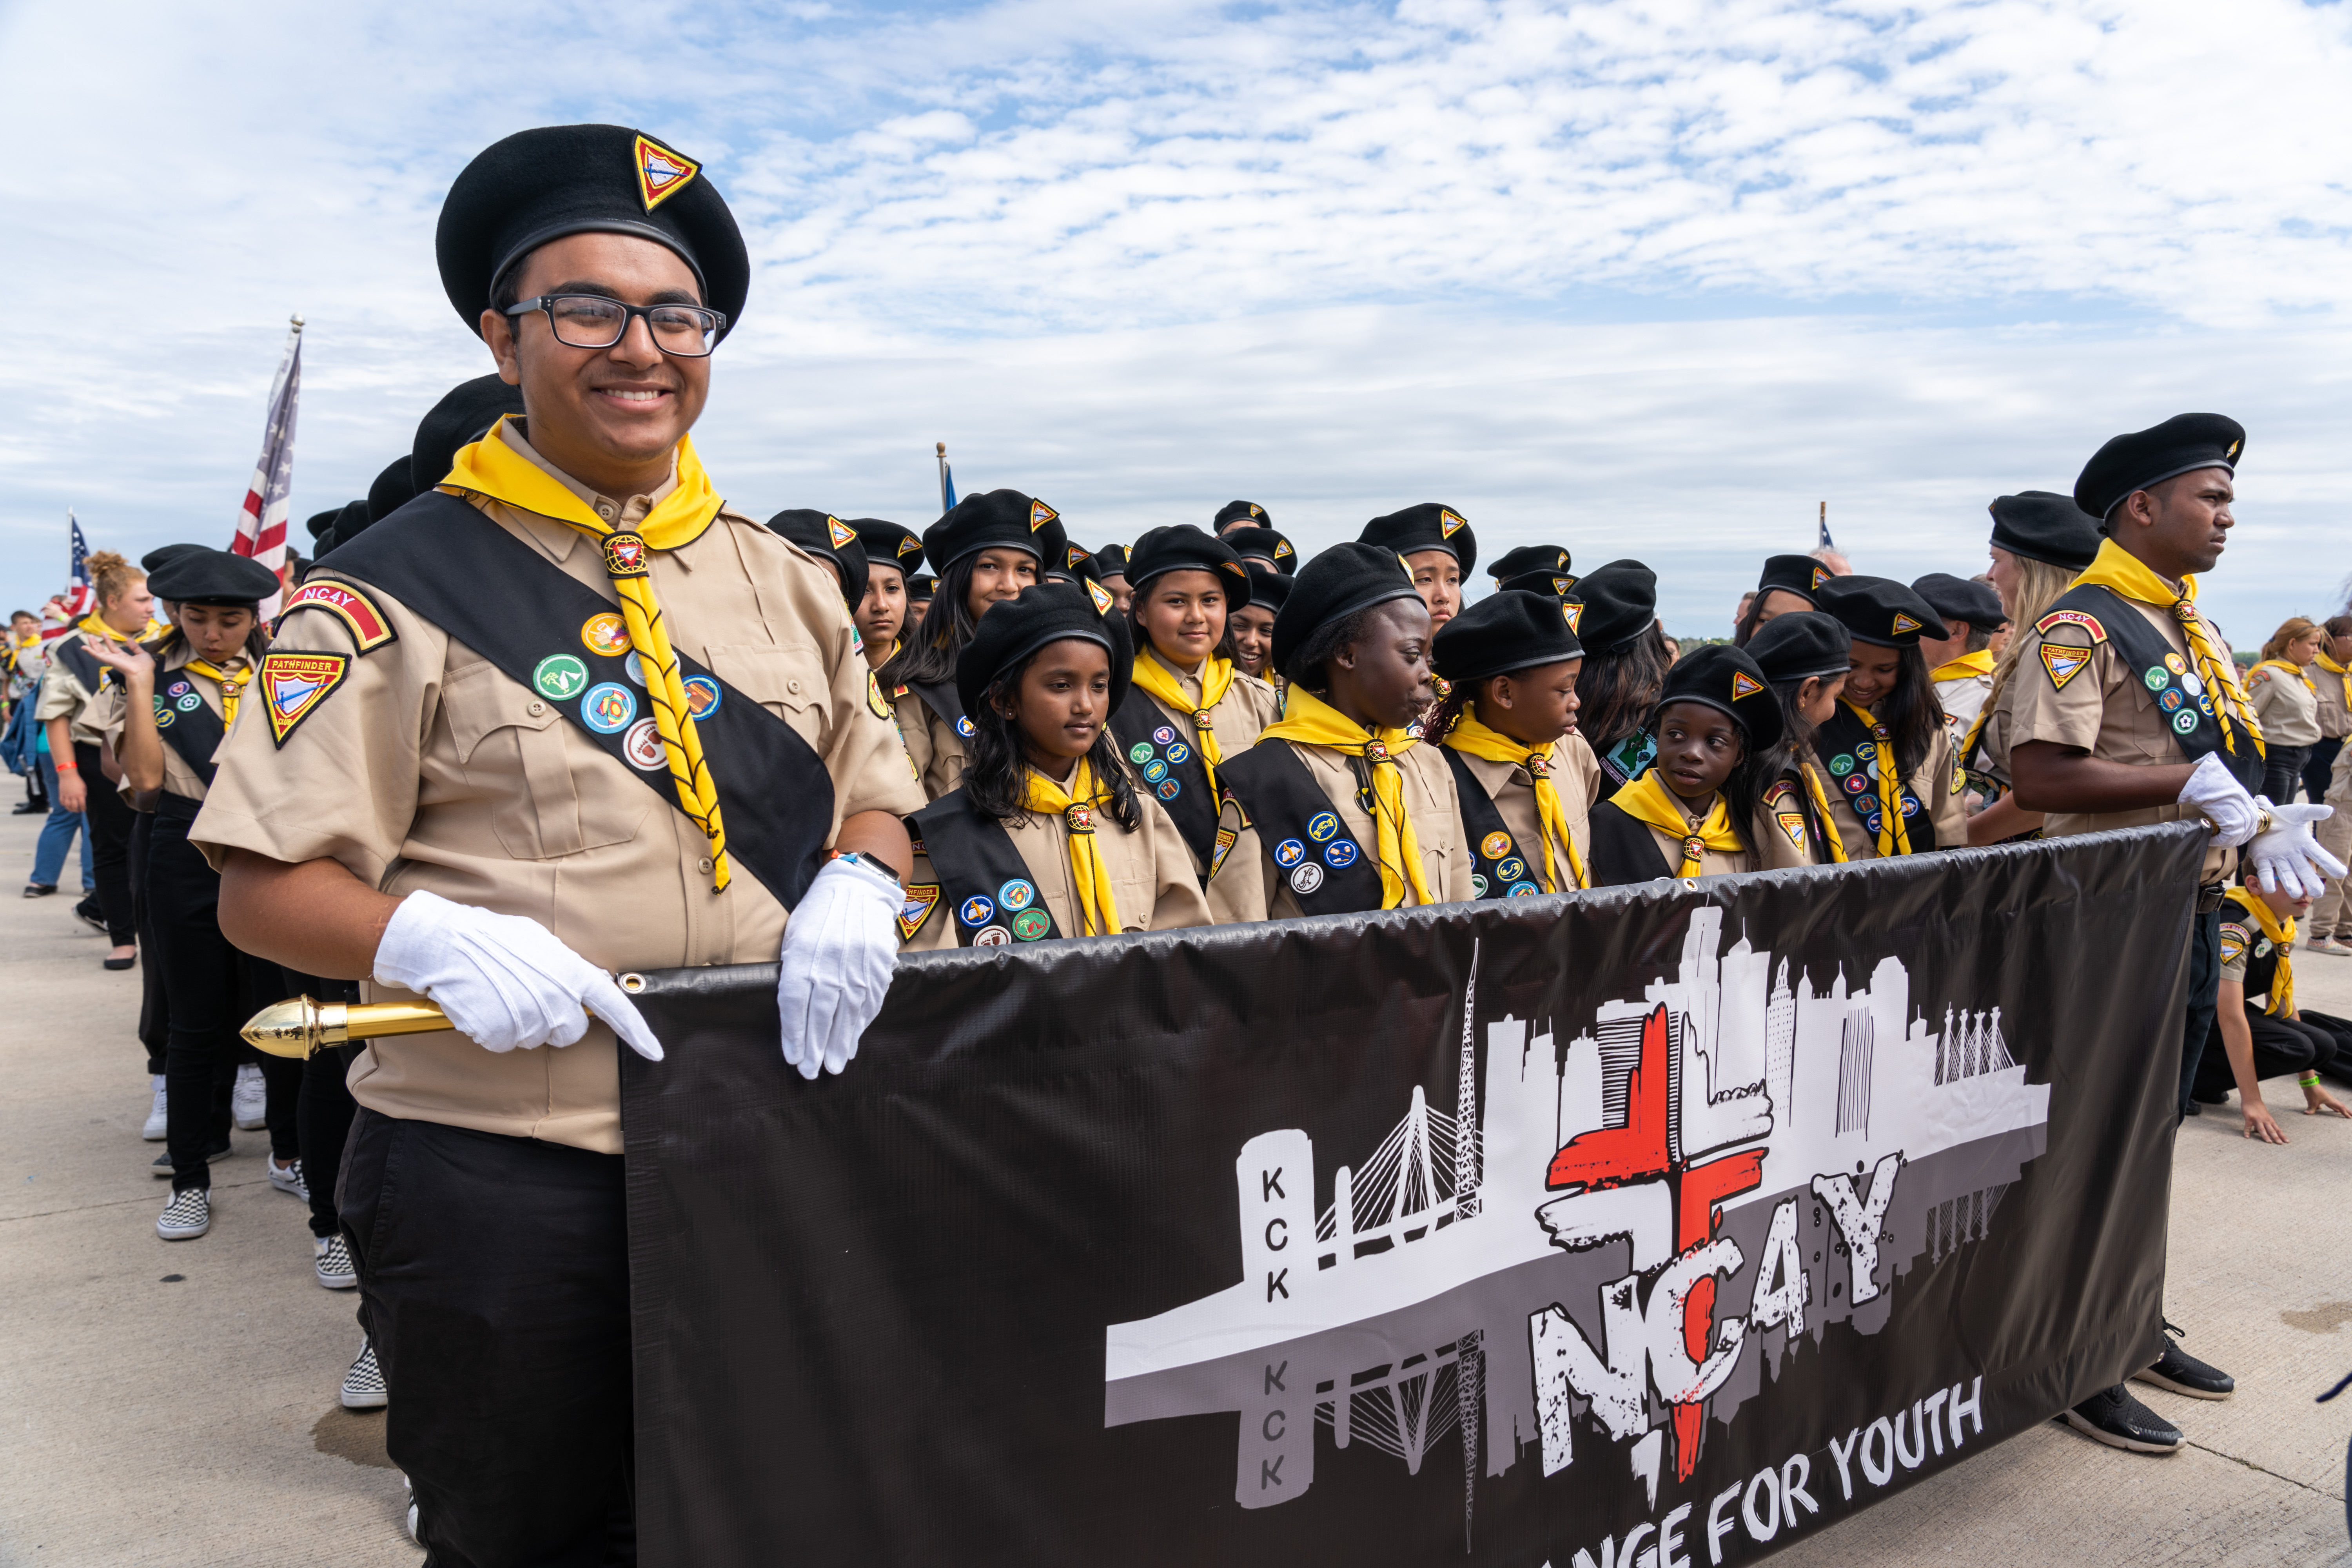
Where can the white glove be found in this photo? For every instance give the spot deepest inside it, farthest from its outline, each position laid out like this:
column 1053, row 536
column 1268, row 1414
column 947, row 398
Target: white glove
column 2288, row 855
column 840, row 946
column 504, row 980
column 2213, row 791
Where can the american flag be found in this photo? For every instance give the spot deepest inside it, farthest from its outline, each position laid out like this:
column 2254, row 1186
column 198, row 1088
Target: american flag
column 261, row 521
column 80, row 598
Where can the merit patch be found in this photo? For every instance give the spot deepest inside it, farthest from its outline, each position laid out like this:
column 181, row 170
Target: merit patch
column 661, row 174
column 1448, row 525
column 1099, row 595
column 366, row 623
column 1282, row 549
column 1793, row 823
column 294, row 684
column 2234, row 941
column 1040, row 514
column 1744, row 686
column 923, row 898
column 1904, row 623
column 1226, row 837
column 2088, row 622
column 1572, row 611
column 1821, row 575
column 2063, row 663
column 873, row 697
column 840, row 532
column 909, row 545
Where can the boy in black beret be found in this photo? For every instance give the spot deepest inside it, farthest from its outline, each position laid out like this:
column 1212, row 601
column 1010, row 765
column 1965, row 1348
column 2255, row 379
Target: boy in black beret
column 1787, row 583
column 1337, row 808
column 892, row 551
column 1888, row 751
column 1523, row 778
column 1045, row 836
column 827, row 538
column 1805, row 657
column 1691, row 814
column 1439, row 549
column 1959, row 663
column 1614, row 614
column 1252, row 625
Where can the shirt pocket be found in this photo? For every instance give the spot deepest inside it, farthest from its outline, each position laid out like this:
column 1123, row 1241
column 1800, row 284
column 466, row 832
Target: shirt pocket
column 512, row 749
column 787, row 679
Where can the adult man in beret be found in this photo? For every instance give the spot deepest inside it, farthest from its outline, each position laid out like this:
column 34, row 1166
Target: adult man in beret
column 563, row 715
column 1960, row 664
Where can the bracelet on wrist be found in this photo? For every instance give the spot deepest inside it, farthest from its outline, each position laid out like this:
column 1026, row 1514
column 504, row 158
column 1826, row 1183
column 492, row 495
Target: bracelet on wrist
column 2308, row 1081
column 66, row 767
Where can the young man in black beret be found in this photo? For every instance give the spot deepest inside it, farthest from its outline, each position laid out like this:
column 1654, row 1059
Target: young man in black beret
column 892, row 553
column 1439, row 550
column 522, row 716
column 1959, row 663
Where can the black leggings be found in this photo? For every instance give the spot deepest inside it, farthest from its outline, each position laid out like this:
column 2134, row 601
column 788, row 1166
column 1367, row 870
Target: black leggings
column 324, row 1118
column 2283, row 773
column 155, row 1005
column 109, row 822
column 2319, row 767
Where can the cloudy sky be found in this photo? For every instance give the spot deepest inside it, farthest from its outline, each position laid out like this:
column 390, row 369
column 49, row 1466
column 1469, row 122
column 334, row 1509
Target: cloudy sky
column 1640, row 277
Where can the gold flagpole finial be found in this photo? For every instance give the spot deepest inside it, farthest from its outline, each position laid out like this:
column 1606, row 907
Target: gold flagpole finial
column 302, row 1027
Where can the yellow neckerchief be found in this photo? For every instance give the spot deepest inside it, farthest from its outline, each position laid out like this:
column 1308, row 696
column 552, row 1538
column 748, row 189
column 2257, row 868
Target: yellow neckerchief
column 1075, row 806
column 2341, row 671
column 1216, row 679
column 492, row 468
column 1311, row 722
column 1820, row 799
column 2294, row 669
column 2282, row 935
column 1978, row 663
column 2117, row 569
column 93, row 625
column 1473, row 739
column 1894, row 838
column 1648, row 800
column 232, row 684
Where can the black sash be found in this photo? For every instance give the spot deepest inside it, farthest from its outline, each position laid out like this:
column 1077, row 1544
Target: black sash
column 1508, row 872
column 77, row 661
column 1165, row 755
column 187, row 722
column 2150, row 657
column 1623, row 849
column 983, row 881
column 941, row 698
column 1326, row 870
column 1627, row 759
column 499, row 596
column 2261, row 954
column 1848, row 748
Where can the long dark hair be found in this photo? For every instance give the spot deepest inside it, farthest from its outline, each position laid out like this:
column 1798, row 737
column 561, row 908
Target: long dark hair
column 927, row 653
column 1910, row 712
column 994, row 762
column 1450, row 706
column 1142, row 639
column 1795, row 735
column 1618, row 688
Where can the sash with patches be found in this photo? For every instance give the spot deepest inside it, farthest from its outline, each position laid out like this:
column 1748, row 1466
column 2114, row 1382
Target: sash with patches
column 193, row 729
column 1498, row 867
column 506, row 601
column 2162, row 671
column 1164, row 756
column 1626, row 760
column 1848, row 749
column 983, row 882
column 1325, row 869
column 1623, row 850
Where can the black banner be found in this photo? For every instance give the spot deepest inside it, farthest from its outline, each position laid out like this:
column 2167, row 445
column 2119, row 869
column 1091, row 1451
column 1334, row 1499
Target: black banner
column 1627, row 1229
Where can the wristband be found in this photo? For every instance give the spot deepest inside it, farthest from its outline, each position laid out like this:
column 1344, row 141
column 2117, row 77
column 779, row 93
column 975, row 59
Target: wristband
column 66, row 767
column 859, row 857
column 2308, row 1081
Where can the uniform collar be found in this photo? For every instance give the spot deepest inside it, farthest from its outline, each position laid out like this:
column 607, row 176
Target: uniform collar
column 557, row 540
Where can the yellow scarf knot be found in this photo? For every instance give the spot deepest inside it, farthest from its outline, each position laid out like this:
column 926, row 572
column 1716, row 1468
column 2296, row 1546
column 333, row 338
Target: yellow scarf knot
column 232, row 683
column 1473, row 739
column 1160, row 682
column 1097, row 909
column 1648, row 801
column 1309, row 721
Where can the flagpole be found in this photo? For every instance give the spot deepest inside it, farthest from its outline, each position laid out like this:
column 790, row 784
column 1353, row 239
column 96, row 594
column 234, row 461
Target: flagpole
column 944, row 502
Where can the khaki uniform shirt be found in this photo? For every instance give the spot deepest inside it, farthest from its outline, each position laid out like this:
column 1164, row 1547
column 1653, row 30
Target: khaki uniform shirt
column 1151, row 877
column 1938, row 783
column 1963, row 698
column 2107, row 710
column 2335, row 715
column 109, row 711
column 1780, row 845
column 1575, row 774
column 1429, row 803
column 429, row 768
column 1711, row 862
column 2287, row 710
column 933, row 745
column 64, row 696
column 2242, row 942
column 1248, row 706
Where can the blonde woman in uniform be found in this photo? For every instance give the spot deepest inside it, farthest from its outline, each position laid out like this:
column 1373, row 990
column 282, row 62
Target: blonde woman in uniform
column 2041, row 544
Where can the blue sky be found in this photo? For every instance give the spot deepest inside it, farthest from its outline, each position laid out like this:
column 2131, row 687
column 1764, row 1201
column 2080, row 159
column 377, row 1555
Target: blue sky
column 1643, row 278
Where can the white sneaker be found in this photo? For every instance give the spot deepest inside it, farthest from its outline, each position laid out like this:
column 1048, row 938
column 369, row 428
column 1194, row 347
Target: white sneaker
column 333, row 1261
column 156, row 1124
column 287, row 1178
column 187, row 1217
column 363, row 1384
column 248, row 1103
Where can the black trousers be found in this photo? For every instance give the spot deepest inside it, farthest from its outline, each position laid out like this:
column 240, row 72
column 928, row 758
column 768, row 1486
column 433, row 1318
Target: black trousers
column 213, row 990
column 2338, row 1065
column 2204, row 995
column 108, row 821
column 2283, row 1047
column 494, row 1280
column 154, row 1008
column 2283, row 773
column 2318, row 768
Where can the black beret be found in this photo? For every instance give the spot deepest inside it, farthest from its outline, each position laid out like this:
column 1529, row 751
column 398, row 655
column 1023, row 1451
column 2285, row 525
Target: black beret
column 1726, row 679
column 1880, row 610
column 201, row 576
column 829, row 538
column 463, row 416
column 1801, row 643
column 890, row 543
column 1337, row 584
column 319, row 522
column 349, row 524
column 1613, row 607
column 1269, row 589
column 1527, row 560
column 998, row 519
column 155, row 560
column 1247, row 511
column 1428, row 526
column 1798, row 574
column 1502, row 632
column 2042, row 526
column 2182, row 444
column 540, row 185
column 1077, row 563
column 1554, row 585
column 393, row 489
column 1044, row 613
column 1958, row 599
column 1180, row 547
column 921, row 586
column 1111, row 561
column 1265, row 544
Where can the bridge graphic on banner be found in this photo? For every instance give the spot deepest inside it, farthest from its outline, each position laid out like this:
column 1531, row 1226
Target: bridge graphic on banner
column 1608, row 1251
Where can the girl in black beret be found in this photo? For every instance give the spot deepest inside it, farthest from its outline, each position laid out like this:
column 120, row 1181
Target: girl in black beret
column 2040, row 543
column 1615, row 616
column 1337, row 808
column 892, row 550
column 1438, row 548
column 1192, row 706
column 987, row 549
column 1252, row 625
column 1045, row 836
column 1110, row 571
column 1888, row 751
column 1805, row 657
column 1691, row 812
column 1523, row 778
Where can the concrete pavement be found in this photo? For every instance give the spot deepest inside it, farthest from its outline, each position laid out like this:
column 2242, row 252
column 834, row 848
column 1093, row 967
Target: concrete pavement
column 175, row 1404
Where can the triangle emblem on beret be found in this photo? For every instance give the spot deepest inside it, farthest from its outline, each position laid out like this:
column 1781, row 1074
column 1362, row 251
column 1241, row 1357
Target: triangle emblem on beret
column 1448, row 525
column 2233, row 453
column 1561, row 585
column 661, row 174
column 1101, row 596
column 908, row 545
column 1904, row 623
column 1821, row 575
column 1072, row 556
column 1572, row 611
column 1040, row 514
column 1256, row 510
column 840, row 532
column 1742, row 685
column 1282, row 548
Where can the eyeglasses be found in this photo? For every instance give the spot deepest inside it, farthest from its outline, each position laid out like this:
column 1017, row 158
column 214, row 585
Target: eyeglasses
column 593, row 322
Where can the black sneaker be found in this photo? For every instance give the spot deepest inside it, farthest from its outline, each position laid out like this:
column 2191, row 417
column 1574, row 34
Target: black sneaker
column 92, row 916
column 162, row 1166
column 2114, row 1417
column 39, row 890
column 2181, row 1373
